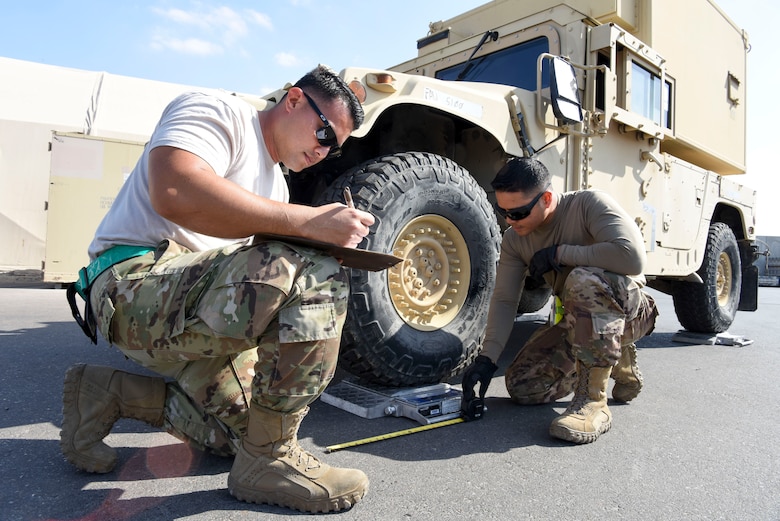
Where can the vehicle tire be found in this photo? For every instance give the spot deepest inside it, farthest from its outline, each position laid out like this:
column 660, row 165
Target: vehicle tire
column 712, row 306
column 533, row 300
column 423, row 320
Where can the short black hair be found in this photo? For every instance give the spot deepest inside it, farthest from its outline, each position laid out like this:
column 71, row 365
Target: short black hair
column 324, row 83
column 522, row 174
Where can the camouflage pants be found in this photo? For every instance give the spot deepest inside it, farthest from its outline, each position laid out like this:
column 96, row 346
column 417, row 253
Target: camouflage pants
column 603, row 311
column 257, row 324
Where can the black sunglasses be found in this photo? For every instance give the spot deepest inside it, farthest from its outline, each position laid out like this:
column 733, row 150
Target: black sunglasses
column 326, row 136
column 521, row 212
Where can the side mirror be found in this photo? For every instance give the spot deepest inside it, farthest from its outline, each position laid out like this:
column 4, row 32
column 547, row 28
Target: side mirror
column 563, row 90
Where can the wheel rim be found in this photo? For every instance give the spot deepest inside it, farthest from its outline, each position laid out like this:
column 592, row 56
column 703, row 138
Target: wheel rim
column 723, row 279
column 430, row 286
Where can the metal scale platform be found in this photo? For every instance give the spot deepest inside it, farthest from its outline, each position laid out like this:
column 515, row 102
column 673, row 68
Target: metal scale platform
column 426, row 405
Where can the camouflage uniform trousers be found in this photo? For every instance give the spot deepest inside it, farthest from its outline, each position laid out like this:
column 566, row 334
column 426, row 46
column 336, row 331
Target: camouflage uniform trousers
column 603, row 311
column 256, row 324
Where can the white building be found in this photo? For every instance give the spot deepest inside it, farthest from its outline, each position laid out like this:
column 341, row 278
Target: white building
column 38, row 100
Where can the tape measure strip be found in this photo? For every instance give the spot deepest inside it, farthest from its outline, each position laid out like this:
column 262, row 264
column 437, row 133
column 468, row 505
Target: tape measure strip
column 395, row 434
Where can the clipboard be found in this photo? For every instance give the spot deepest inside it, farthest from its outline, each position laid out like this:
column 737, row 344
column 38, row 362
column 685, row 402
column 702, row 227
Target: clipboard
column 350, row 257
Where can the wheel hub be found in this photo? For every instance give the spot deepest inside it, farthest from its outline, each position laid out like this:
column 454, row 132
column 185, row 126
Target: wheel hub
column 430, row 286
column 723, row 279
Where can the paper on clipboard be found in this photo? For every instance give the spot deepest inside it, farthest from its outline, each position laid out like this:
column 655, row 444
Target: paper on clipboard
column 350, row 257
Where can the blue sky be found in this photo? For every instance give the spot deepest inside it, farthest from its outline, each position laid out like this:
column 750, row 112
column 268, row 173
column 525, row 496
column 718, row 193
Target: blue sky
column 242, row 45
column 255, row 47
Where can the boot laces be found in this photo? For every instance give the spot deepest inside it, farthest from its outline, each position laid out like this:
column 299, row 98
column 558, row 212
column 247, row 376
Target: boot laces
column 629, row 352
column 581, row 396
column 302, row 457
column 106, row 423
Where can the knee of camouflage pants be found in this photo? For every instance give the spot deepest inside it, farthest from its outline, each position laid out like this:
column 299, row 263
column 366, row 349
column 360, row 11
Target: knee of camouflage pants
column 643, row 323
column 597, row 304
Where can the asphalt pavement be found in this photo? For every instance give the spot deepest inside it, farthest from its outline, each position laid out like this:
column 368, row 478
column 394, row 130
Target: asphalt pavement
column 699, row 443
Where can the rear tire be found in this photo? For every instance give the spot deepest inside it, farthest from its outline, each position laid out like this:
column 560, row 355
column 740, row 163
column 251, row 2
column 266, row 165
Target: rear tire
column 712, row 306
column 533, row 300
column 423, row 320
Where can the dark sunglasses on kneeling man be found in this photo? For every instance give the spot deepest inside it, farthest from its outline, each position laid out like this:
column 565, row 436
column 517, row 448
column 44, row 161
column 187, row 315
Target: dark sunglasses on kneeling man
column 521, row 212
column 326, row 136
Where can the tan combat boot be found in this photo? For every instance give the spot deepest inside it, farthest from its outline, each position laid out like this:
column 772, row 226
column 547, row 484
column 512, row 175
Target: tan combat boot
column 272, row 468
column 628, row 377
column 94, row 398
column 587, row 417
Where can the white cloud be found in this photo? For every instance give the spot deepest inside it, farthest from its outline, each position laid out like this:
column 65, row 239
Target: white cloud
column 217, row 28
column 229, row 23
column 194, row 46
column 182, row 17
column 261, row 19
column 286, row 59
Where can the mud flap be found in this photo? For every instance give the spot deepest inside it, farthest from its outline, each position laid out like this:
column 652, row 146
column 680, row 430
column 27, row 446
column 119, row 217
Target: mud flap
column 748, row 297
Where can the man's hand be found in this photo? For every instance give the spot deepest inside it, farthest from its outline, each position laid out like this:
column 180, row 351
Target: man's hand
column 482, row 371
column 337, row 224
column 542, row 262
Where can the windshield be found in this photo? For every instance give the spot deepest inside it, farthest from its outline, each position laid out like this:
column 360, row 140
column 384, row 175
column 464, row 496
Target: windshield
column 514, row 66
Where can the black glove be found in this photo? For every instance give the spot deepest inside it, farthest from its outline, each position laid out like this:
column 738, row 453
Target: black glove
column 532, row 283
column 542, row 262
column 482, row 370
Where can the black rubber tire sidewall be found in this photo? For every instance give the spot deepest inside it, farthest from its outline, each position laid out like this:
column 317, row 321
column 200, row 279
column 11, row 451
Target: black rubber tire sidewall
column 377, row 344
column 696, row 305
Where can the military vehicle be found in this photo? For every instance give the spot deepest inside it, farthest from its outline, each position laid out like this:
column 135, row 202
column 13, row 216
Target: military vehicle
column 643, row 99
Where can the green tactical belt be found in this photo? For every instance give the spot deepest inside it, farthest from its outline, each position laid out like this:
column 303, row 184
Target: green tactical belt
column 88, row 275
column 105, row 260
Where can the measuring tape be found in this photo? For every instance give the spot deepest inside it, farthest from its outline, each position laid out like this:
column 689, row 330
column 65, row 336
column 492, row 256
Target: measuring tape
column 392, row 435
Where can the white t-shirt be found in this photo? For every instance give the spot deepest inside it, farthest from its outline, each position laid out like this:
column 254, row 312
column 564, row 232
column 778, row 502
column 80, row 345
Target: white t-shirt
column 221, row 129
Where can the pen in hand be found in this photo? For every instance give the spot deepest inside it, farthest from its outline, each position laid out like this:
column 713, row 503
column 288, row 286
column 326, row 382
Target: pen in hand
column 348, row 197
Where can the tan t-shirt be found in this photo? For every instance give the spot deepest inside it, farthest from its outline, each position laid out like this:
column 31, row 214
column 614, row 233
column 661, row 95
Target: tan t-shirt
column 590, row 229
